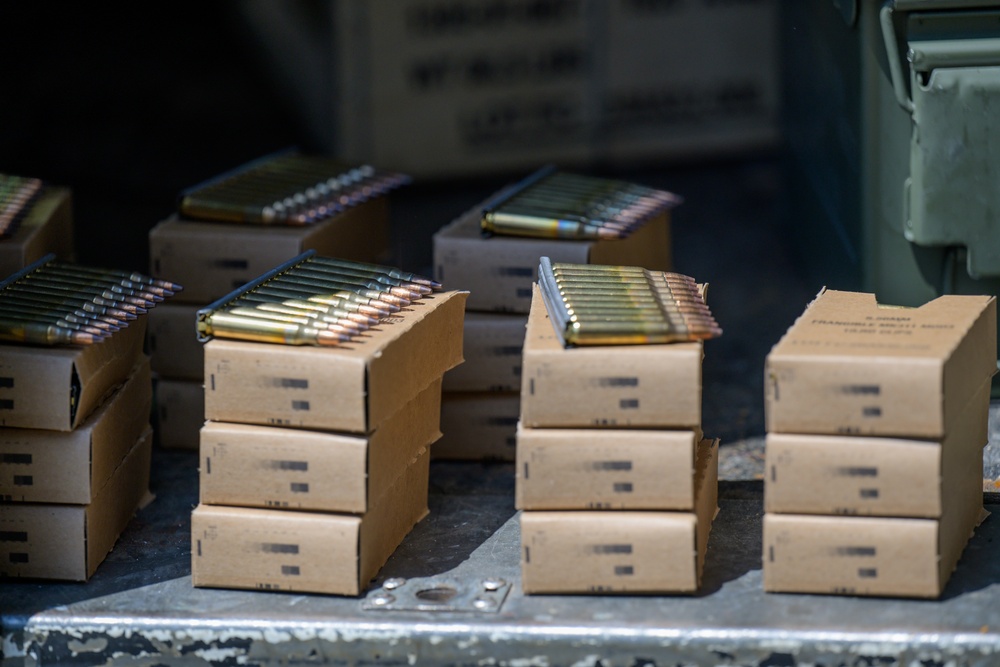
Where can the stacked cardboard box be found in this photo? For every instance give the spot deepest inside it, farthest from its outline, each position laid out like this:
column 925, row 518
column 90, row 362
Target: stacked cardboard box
column 210, row 260
column 877, row 418
column 481, row 403
column 75, row 446
column 512, row 83
column 47, row 227
column 617, row 486
column 314, row 461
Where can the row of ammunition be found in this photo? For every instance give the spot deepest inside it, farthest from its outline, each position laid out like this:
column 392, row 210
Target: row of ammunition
column 287, row 189
column 313, row 301
column 56, row 303
column 16, row 195
column 552, row 204
column 623, row 305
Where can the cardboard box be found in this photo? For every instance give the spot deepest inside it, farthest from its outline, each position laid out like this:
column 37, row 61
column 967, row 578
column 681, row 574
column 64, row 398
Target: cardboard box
column 70, row 541
column 47, row 228
column 863, row 555
column 311, row 552
column 180, row 413
column 852, row 366
column 498, row 270
column 635, row 469
column 264, row 466
column 45, row 466
column 212, row 259
column 503, row 86
column 829, row 474
column 478, row 426
column 57, row 388
column 622, row 551
column 610, row 386
column 492, row 345
column 354, row 387
column 173, row 342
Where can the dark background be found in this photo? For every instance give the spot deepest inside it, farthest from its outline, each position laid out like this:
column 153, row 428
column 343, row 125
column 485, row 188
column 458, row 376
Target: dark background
column 128, row 104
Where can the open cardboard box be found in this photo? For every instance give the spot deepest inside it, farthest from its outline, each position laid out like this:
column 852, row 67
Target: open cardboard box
column 211, row 259
column 622, row 551
column 57, row 388
column 498, row 270
column 45, row 466
column 310, row 552
column 850, row 365
column 353, row 387
column 608, row 386
column 264, row 466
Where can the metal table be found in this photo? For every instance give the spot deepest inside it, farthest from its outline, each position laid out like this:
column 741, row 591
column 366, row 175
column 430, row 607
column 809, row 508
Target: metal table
column 451, row 595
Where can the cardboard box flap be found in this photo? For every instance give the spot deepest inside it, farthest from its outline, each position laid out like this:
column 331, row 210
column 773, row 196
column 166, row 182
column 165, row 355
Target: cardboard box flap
column 392, row 517
column 396, row 372
column 132, row 407
column 115, row 504
column 706, row 484
column 844, row 323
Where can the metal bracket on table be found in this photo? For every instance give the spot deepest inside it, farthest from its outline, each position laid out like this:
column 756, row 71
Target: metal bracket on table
column 438, row 594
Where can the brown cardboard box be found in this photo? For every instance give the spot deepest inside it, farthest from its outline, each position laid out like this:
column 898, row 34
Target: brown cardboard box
column 354, row 387
column 180, row 412
column 622, row 386
column 45, row 466
column 70, row 541
column 852, row 366
column 635, row 469
column 498, row 270
column 622, row 551
column 491, row 346
column 212, row 259
column 313, row 552
column 501, row 87
column 829, row 474
column 478, row 426
column 173, row 342
column 57, row 388
column 47, row 228
column 264, row 466
column 864, row 555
